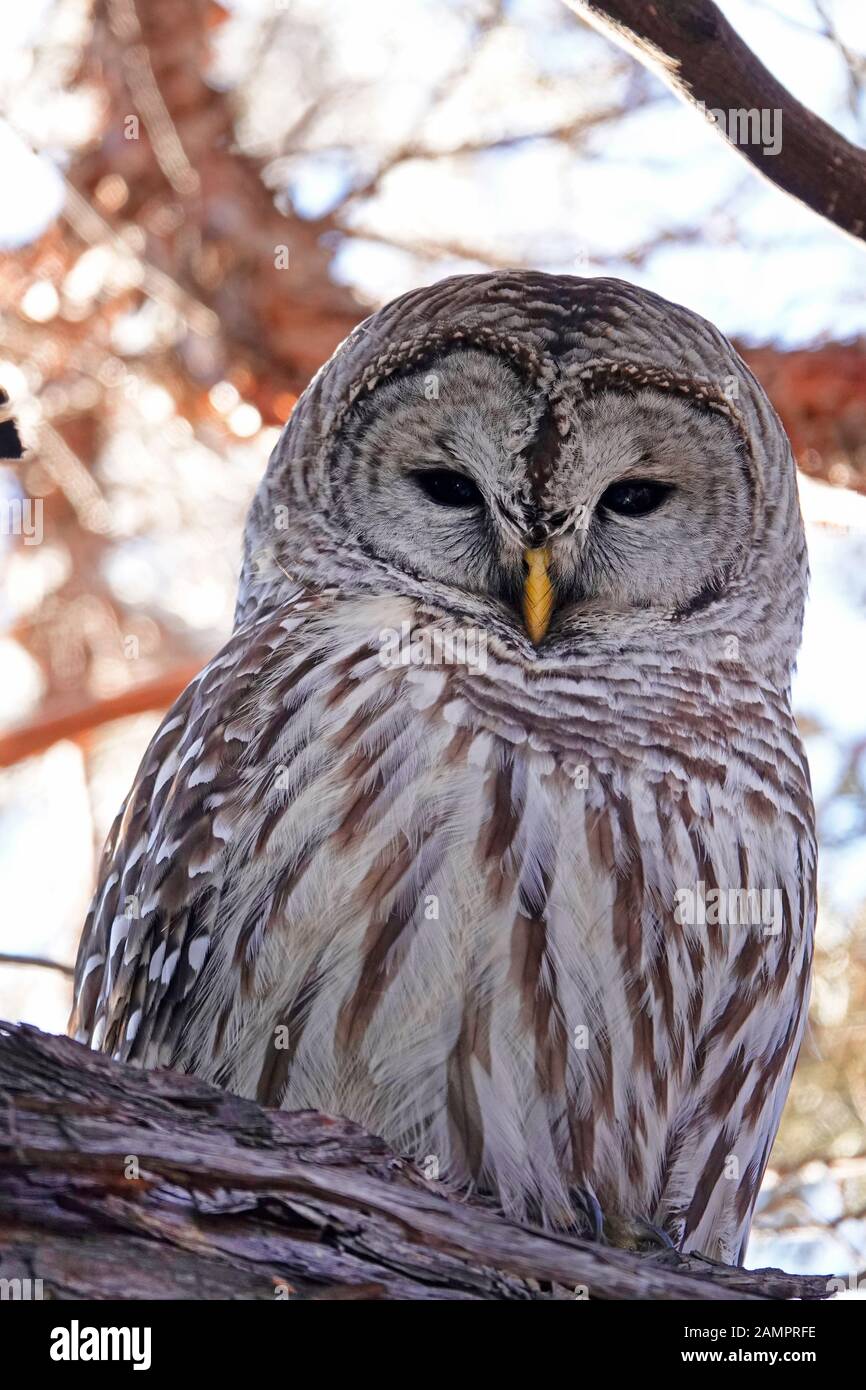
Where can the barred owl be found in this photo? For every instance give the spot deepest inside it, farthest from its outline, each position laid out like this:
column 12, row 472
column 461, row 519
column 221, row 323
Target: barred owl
column 489, row 827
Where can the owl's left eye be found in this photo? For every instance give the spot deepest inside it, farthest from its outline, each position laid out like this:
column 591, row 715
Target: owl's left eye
column 448, row 488
column 636, row 497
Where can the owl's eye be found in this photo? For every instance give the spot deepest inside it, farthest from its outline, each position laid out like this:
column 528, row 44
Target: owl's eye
column 636, row 497
column 448, row 488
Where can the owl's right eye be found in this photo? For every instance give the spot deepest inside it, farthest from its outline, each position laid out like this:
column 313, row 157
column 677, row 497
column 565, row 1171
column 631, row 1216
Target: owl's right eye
column 448, row 488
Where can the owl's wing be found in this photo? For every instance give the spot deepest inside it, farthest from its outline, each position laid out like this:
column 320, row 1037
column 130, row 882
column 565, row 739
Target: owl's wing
column 148, row 932
column 749, row 993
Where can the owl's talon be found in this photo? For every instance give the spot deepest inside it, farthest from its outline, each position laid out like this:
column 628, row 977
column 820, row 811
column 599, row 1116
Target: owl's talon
column 653, row 1237
column 587, row 1204
column 636, row 1233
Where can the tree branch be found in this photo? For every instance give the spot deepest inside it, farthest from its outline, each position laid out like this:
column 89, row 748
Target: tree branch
column 118, row 1183
column 700, row 56
column 41, row 962
column 156, row 694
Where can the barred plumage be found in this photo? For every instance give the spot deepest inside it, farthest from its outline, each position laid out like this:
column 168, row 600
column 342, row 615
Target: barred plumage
column 440, row 899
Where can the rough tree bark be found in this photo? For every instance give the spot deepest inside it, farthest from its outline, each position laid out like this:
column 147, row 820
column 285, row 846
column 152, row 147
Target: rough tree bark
column 117, row 1183
column 693, row 48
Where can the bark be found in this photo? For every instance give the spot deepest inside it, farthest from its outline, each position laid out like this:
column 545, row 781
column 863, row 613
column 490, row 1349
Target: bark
column 117, row 1183
column 695, row 50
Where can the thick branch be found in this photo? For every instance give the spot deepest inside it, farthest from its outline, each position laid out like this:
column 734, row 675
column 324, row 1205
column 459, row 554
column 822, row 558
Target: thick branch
column 117, row 1183
column 697, row 52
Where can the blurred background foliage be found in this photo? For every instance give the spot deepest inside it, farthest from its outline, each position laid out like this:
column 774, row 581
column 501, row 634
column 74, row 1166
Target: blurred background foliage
column 201, row 201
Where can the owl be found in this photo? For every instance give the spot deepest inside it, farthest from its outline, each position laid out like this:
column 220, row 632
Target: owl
column 490, row 827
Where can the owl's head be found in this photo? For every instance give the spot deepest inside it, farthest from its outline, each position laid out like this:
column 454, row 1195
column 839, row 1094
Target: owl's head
column 565, row 461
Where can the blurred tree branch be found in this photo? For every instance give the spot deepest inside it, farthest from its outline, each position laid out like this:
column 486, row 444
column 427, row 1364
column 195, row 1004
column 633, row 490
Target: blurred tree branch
column 82, row 719
column 38, row 962
column 206, row 211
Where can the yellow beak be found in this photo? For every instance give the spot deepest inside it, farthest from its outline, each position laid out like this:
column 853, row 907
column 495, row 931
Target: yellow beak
column 538, row 594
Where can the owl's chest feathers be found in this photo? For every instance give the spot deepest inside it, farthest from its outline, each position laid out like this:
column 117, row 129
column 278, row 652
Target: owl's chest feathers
column 461, row 932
